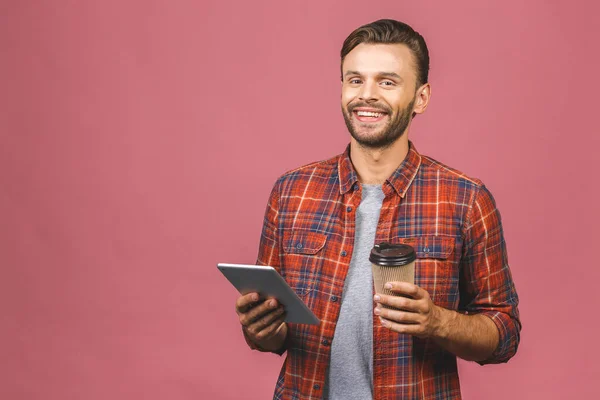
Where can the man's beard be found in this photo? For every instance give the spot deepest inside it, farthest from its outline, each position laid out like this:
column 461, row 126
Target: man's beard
column 392, row 132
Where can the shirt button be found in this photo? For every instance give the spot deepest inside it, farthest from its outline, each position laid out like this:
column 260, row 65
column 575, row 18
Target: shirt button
column 334, row 298
column 325, row 342
column 344, row 254
column 299, row 246
column 349, row 209
column 316, row 387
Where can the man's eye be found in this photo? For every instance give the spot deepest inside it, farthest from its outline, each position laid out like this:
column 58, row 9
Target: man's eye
column 387, row 83
column 355, row 81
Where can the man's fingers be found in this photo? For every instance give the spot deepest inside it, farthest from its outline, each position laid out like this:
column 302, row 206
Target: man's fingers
column 402, row 303
column 272, row 327
column 245, row 302
column 407, row 289
column 264, row 321
column 257, row 312
column 402, row 317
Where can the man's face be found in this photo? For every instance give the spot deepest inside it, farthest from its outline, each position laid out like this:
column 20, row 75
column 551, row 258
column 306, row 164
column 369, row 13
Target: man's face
column 378, row 93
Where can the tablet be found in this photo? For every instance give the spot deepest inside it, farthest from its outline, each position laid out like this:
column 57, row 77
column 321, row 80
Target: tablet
column 268, row 283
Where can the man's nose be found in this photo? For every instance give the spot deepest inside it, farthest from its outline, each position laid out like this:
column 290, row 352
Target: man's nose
column 368, row 92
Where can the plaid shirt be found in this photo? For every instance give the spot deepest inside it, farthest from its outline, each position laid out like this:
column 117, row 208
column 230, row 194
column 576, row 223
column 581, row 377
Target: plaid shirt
column 452, row 222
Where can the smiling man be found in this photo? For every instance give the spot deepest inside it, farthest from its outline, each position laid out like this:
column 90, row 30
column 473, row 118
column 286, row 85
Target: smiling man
column 323, row 219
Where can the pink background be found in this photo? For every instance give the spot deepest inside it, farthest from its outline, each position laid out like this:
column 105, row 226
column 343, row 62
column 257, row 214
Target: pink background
column 139, row 141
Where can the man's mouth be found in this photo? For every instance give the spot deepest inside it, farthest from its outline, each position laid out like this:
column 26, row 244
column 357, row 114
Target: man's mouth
column 369, row 116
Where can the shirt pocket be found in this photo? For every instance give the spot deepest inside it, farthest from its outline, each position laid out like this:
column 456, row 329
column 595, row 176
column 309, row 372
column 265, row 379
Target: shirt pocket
column 436, row 270
column 303, row 257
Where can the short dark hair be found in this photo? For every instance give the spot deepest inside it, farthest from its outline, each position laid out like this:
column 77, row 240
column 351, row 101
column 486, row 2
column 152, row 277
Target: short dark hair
column 389, row 31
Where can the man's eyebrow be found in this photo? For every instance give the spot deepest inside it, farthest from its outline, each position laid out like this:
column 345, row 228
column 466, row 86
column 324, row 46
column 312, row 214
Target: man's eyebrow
column 380, row 74
column 351, row 73
column 390, row 75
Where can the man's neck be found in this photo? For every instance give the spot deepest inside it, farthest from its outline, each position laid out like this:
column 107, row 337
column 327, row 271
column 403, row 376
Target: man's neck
column 374, row 166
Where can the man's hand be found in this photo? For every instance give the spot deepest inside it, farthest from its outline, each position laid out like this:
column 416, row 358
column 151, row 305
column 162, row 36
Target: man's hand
column 470, row 337
column 418, row 316
column 262, row 321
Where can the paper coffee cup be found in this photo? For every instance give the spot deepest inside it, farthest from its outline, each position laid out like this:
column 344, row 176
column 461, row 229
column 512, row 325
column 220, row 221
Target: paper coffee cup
column 392, row 263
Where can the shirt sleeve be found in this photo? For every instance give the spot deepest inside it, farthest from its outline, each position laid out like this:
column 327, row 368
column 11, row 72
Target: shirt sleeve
column 487, row 286
column 268, row 250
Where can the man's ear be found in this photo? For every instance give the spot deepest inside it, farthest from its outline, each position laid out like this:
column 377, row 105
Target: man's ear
column 422, row 99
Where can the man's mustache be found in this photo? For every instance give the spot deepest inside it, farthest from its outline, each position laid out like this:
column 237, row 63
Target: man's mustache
column 353, row 106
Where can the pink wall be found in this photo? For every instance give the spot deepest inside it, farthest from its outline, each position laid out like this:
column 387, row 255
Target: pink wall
column 139, row 141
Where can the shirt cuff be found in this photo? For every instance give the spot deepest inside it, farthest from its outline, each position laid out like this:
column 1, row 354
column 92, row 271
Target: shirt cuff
column 508, row 337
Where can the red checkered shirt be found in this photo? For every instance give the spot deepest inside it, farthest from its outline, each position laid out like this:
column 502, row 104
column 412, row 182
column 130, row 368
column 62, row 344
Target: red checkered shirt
column 452, row 222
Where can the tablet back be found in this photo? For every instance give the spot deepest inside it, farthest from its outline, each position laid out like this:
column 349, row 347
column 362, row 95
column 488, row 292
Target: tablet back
column 269, row 284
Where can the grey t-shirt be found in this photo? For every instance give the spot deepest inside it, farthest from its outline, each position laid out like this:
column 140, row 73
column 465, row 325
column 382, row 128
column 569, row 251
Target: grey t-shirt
column 350, row 374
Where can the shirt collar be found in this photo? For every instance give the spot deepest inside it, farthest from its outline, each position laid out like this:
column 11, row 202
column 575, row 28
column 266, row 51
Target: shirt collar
column 400, row 179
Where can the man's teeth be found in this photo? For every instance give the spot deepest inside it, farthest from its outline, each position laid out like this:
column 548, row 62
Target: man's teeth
column 369, row 114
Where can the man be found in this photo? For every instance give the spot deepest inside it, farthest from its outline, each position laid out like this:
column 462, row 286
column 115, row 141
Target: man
column 323, row 219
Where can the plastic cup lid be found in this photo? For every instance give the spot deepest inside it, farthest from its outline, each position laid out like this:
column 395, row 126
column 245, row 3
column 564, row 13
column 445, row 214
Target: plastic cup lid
column 392, row 255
